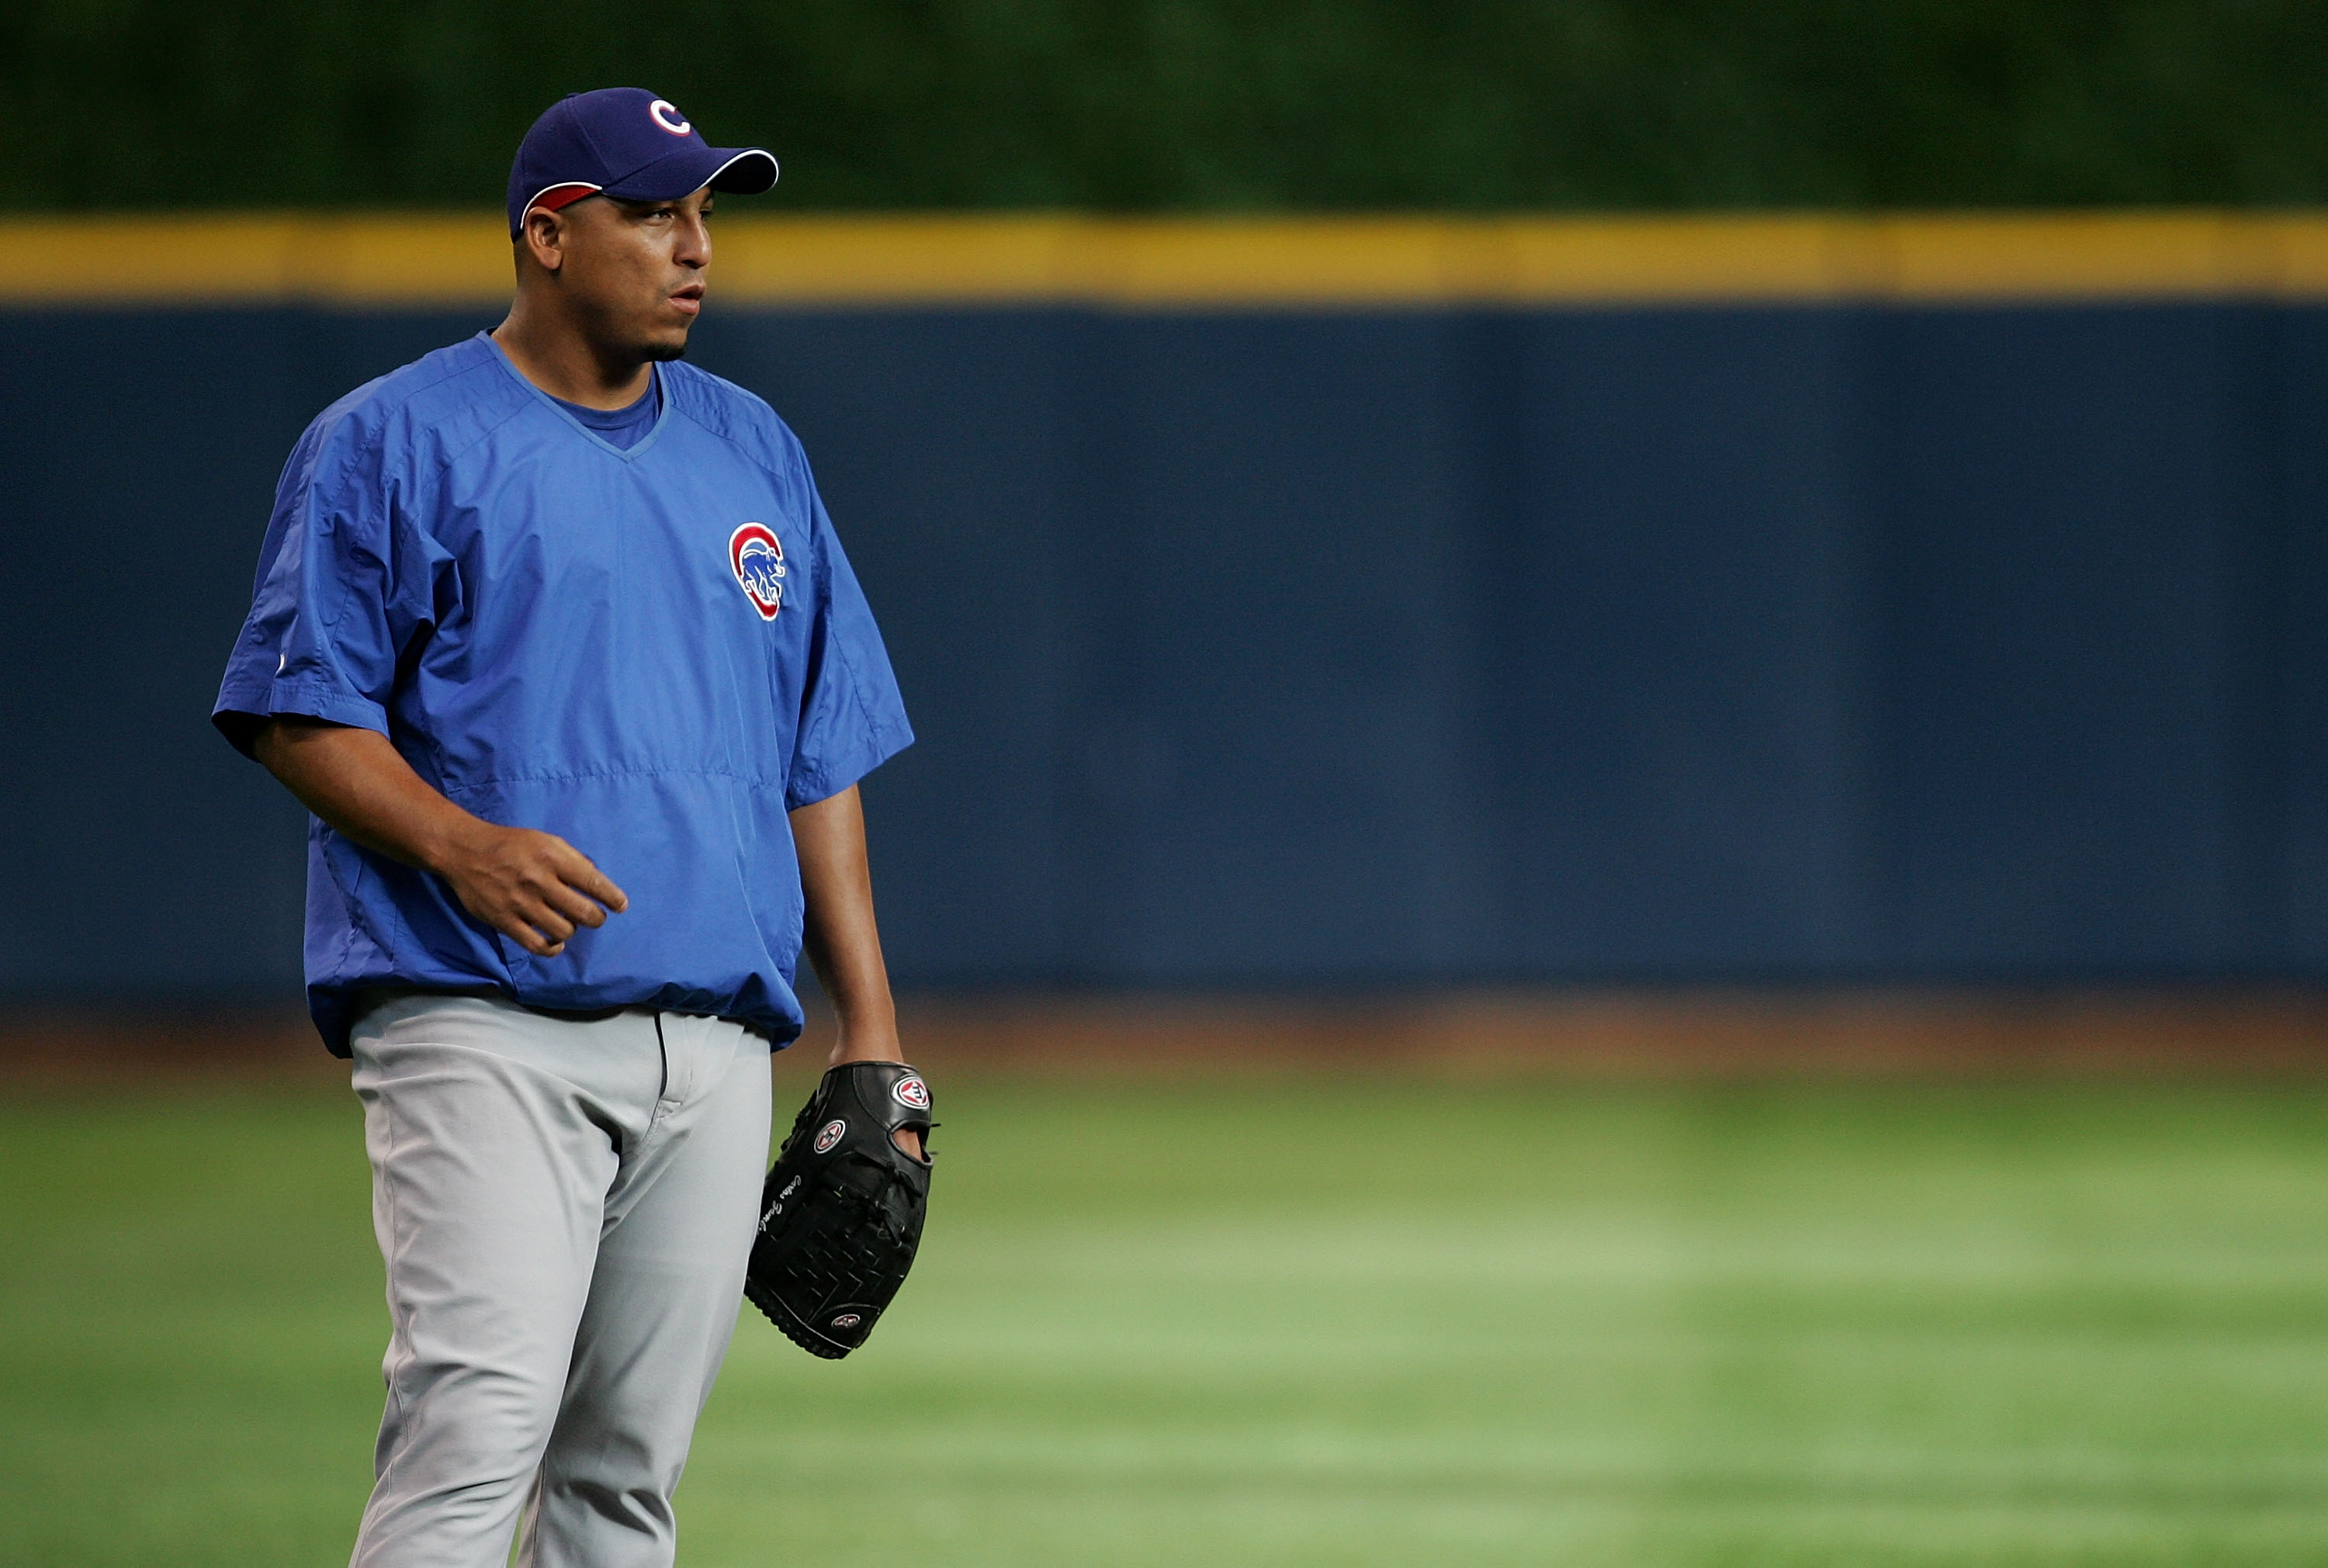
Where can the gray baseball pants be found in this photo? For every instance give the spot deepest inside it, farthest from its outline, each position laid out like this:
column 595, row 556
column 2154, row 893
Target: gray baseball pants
column 565, row 1205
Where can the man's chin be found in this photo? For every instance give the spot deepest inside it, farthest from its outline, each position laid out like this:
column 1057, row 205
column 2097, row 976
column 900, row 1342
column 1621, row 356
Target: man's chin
column 666, row 341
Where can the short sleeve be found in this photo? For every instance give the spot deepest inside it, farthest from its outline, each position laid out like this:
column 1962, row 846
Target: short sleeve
column 852, row 718
column 342, row 591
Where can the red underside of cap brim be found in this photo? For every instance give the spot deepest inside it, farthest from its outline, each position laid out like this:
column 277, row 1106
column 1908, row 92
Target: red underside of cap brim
column 558, row 196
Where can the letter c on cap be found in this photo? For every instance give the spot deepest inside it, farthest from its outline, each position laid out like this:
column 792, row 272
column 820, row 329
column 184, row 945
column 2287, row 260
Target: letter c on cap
column 665, row 112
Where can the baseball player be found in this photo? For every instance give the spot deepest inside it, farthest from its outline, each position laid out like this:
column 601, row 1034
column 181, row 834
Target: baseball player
column 553, row 636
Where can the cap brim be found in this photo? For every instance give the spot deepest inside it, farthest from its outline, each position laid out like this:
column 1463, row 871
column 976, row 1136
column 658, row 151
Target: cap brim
column 745, row 171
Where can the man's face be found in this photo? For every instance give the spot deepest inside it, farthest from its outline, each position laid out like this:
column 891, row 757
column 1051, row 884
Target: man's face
column 634, row 271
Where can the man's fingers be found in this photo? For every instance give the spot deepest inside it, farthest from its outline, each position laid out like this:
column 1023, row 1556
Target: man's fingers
column 527, row 937
column 580, row 873
column 537, row 889
column 577, row 908
column 554, row 927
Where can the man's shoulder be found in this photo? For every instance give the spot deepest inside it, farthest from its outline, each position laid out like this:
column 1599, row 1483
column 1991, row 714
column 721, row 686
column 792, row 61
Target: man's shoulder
column 732, row 413
column 434, row 406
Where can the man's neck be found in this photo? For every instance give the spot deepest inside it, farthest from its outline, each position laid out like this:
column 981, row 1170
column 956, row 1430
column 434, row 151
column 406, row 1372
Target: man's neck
column 564, row 363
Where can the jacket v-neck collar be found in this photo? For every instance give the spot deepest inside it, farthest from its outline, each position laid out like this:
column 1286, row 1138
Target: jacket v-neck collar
column 627, row 453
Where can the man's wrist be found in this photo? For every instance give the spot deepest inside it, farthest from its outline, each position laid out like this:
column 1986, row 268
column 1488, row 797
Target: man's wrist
column 867, row 1042
column 446, row 839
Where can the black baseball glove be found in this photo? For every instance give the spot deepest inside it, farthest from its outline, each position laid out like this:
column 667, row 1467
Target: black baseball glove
column 841, row 1213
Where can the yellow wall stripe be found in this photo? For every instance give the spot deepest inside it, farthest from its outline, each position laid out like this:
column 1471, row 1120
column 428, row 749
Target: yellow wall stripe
column 424, row 260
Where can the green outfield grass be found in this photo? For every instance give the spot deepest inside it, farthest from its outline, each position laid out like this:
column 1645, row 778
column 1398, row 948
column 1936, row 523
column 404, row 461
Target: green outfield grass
column 1364, row 1322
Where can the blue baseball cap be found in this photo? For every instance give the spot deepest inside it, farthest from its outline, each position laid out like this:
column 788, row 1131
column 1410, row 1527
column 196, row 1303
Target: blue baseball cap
column 627, row 142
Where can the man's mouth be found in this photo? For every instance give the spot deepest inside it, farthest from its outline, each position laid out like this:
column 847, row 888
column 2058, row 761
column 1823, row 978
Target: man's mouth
column 688, row 299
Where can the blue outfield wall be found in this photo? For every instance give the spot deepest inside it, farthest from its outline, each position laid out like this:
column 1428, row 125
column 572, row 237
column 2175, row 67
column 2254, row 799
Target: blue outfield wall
column 1297, row 648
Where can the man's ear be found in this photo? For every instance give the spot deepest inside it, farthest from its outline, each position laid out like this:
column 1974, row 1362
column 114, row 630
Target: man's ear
column 543, row 239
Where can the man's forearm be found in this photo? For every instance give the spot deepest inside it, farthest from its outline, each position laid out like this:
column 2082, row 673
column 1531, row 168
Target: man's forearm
column 359, row 784
column 532, row 887
column 843, row 939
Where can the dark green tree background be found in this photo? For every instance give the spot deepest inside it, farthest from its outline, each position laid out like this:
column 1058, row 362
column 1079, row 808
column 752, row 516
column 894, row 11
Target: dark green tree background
column 1193, row 105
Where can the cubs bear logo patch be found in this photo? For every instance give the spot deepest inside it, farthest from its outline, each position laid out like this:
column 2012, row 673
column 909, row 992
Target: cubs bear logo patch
column 757, row 559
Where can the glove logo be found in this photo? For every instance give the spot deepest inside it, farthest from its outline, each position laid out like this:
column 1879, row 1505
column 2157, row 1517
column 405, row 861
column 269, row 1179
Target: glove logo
column 829, row 1135
column 758, row 562
column 911, row 1093
column 847, row 1320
